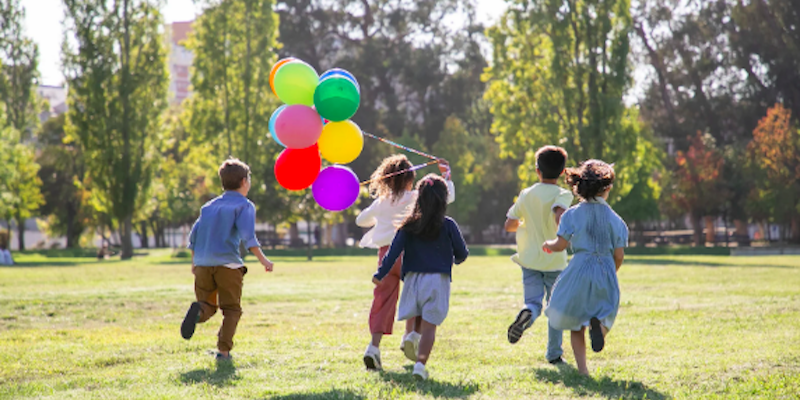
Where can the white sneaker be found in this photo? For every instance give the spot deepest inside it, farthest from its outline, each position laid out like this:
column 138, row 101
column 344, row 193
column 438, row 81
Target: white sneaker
column 410, row 345
column 420, row 373
column 372, row 358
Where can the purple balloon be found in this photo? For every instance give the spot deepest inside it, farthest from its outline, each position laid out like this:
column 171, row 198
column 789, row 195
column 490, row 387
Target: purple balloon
column 336, row 188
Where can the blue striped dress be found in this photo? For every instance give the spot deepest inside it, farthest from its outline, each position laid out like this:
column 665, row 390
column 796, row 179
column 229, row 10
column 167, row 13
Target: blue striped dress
column 588, row 287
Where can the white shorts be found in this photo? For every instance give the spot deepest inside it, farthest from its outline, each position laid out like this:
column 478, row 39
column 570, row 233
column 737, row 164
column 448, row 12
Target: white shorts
column 426, row 295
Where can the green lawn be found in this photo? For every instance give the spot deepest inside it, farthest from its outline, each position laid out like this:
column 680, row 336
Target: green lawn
column 689, row 327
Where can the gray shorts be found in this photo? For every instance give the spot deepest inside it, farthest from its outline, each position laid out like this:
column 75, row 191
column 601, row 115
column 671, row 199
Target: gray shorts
column 426, row 295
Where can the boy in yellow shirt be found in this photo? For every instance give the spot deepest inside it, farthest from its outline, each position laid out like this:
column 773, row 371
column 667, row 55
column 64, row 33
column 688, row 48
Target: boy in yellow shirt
column 535, row 218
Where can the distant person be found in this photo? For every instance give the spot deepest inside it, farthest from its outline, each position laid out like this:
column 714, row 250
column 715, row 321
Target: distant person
column 219, row 270
column 5, row 254
column 317, row 236
column 430, row 243
column 587, row 292
column 103, row 253
column 535, row 217
column 392, row 185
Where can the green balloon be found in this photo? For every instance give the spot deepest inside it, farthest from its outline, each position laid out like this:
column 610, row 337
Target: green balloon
column 336, row 98
column 295, row 83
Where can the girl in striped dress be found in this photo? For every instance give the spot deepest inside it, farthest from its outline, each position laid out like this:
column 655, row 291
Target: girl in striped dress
column 587, row 292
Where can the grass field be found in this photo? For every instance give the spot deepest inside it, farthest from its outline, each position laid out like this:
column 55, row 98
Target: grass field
column 688, row 327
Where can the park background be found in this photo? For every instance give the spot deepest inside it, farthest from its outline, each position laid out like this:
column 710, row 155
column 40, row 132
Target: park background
column 117, row 142
column 112, row 128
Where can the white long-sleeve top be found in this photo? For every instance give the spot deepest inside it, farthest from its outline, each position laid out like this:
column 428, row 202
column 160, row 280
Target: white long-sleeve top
column 384, row 216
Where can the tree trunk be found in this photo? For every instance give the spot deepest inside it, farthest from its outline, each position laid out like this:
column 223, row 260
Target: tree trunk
column 73, row 237
column 294, row 235
column 126, row 238
column 143, row 235
column 711, row 230
column 309, row 244
column 328, row 235
column 796, row 230
column 697, row 226
column 20, row 232
column 742, row 236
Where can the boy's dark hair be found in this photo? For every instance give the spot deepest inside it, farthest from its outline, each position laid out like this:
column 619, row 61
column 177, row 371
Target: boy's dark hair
column 428, row 216
column 551, row 160
column 231, row 173
column 590, row 178
column 393, row 186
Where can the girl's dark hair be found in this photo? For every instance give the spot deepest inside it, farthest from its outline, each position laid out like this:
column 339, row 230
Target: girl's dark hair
column 590, row 178
column 428, row 216
column 394, row 186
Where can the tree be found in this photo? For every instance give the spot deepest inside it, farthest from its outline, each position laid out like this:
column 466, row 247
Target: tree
column 775, row 151
column 233, row 44
column 62, row 173
column 18, row 59
column 697, row 188
column 560, row 72
column 114, row 58
column 21, row 185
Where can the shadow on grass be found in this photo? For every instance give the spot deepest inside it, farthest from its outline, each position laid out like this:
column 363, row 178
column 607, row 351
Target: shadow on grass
column 334, row 394
column 604, row 386
column 692, row 263
column 224, row 375
column 46, row 263
column 430, row 386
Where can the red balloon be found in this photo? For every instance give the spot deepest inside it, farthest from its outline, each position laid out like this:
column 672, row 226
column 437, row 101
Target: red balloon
column 297, row 169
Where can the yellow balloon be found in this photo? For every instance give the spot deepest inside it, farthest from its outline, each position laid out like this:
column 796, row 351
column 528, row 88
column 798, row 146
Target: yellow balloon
column 341, row 142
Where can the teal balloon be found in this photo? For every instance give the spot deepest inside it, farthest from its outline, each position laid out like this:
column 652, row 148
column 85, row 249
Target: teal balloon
column 295, row 83
column 272, row 120
column 337, row 98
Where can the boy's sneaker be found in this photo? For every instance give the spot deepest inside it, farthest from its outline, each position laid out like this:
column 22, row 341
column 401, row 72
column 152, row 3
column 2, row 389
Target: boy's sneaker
column 420, row 373
column 190, row 321
column 596, row 335
column 372, row 358
column 519, row 325
column 557, row 361
column 222, row 357
column 410, row 345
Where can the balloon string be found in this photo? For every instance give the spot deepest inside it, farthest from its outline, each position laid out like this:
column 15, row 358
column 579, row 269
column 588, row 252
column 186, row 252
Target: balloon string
column 414, row 168
column 400, row 146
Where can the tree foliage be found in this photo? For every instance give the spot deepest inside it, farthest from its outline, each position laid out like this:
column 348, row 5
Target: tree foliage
column 115, row 66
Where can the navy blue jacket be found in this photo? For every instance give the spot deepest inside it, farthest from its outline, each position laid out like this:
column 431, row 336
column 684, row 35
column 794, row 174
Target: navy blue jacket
column 426, row 256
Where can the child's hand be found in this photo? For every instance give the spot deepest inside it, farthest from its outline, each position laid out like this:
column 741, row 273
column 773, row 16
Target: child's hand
column 546, row 248
column 193, row 269
column 376, row 281
column 444, row 168
column 267, row 265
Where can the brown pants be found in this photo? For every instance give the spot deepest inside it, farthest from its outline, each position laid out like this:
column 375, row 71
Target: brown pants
column 226, row 284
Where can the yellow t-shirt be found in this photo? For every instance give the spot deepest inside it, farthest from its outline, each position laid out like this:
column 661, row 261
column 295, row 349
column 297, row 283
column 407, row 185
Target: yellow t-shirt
column 534, row 209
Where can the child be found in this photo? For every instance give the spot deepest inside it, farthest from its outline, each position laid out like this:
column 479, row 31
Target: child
column 587, row 293
column 395, row 198
column 539, row 208
column 431, row 242
column 217, row 267
column 5, row 254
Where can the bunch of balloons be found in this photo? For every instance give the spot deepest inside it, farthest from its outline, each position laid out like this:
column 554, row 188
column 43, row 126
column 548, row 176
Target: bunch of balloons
column 314, row 124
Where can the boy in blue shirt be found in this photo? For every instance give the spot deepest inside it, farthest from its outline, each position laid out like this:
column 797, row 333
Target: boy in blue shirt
column 218, row 269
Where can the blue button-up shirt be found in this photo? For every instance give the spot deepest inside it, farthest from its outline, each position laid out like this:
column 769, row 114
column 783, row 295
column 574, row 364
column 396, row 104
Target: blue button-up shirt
column 223, row 223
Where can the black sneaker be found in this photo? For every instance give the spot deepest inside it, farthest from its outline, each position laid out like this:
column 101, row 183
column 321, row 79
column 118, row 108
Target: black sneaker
column 596, row 335
column 557, row 361
column 223, row 358
column 519, row 325
column 190, row 321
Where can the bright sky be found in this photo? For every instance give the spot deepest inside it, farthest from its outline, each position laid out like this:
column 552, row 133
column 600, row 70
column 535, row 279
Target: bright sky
column 43, row 23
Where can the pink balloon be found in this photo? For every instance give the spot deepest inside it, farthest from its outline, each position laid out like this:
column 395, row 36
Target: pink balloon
column 298, row 126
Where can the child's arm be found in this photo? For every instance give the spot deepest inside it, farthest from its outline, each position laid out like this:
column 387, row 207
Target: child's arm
column 366, row 218
column 460, row 251
column 557, row 244
column 192, row 237
column 398, row 244
column 558, row 212
column 246, row 225
column 512, row 224
column 619, row 255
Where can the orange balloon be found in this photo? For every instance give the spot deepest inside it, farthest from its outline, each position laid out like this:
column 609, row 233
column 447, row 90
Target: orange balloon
column 275, row 69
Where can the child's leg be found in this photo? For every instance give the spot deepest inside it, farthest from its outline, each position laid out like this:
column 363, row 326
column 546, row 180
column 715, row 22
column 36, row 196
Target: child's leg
column 384, row 302
column 229, row 283
column 205, row 290
column 533, row 283
column 413, row 325
column 579, row 348
column 554, row 336
column 426, row 342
